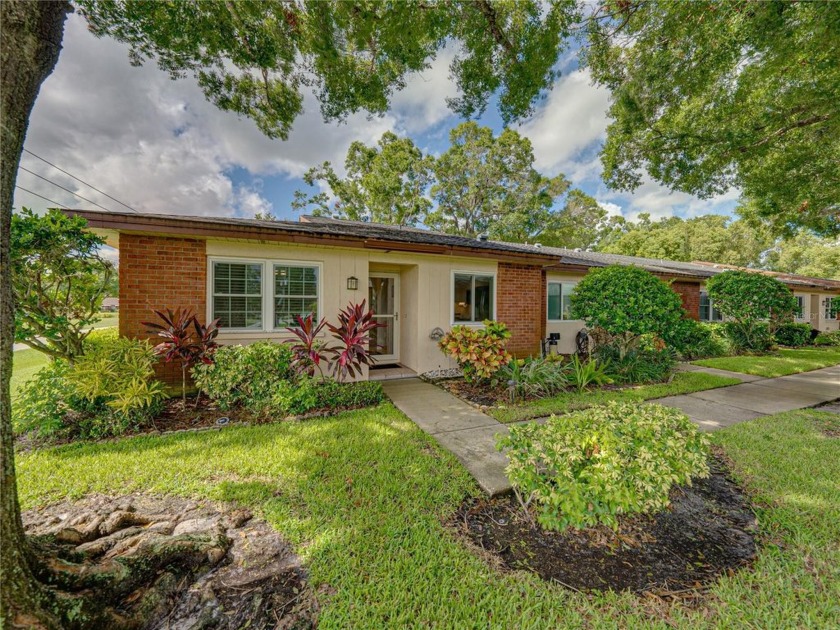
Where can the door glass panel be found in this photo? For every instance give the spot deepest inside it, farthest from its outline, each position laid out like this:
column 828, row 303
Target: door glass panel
column 381, row 298
column 483, row 298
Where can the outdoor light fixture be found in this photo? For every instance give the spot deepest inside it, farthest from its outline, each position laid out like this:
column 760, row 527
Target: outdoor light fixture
column 352, row 283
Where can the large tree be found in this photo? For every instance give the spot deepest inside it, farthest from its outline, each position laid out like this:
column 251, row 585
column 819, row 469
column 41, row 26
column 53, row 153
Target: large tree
column 713, row 96
column 254, row 59
column 486, row 184
column 386, row 183
column 711, row 238
column 807, row 255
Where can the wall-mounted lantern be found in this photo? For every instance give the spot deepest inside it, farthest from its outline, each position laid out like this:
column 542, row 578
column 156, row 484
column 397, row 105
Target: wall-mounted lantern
column 352, row 283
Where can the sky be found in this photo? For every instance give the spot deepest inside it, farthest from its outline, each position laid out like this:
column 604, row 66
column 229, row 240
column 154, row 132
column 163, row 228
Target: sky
column 158, row 146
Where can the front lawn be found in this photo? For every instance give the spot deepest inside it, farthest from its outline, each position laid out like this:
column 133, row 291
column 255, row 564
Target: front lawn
column 26, row 365
column 363, row 496
column 683, row 383
column 779, row 363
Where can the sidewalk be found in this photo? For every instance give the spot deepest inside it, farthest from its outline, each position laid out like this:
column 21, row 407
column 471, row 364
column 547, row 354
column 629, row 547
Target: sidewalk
column 471, row 435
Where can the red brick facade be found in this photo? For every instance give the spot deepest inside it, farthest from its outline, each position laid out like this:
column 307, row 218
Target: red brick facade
column 689, row 293
column 159, row 272
column 520, row 304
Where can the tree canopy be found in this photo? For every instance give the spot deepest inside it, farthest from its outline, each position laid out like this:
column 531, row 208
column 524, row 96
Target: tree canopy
column 707, row 97
column 386, row 184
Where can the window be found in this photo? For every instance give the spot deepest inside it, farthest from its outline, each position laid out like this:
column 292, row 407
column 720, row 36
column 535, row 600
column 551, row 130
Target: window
column 708, row 312
column 800, row 307
column 263, row 295
column 295, row 293
column 830, row 308
column 473, row 297
column 560, row 300
column 237, row 294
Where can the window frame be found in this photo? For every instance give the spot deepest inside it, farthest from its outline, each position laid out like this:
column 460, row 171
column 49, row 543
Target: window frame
column 318, row 283
column 711, row 319
column 267, row 265
column 494, row 287
column 562, row 283
column 800, row 313
column 828, row 306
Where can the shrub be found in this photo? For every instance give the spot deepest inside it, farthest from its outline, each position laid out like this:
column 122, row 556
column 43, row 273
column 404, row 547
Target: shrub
column 582, row 374
column 791, row 334
column 247, row 375
column 756, row 304
column 479, row 352
column 185, row 340
column 106, row 391
column 757, row 338
column 40, row 406
column 308, row 351
column 626, row 303
column 532, row 376
column 354, row 324
column 115, row 379
column 828, row 338
column 587, row 468
column 696, row 340
column 639, row 365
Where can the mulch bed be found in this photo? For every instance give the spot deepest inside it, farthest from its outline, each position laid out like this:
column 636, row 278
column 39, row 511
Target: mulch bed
column 708, row 531
column 485, row 395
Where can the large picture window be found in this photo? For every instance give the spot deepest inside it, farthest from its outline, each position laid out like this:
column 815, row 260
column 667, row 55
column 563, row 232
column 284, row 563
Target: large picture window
column 473, row 298
column 708, row 312
column 295, row 293
column 560, row 300
column 238, row 295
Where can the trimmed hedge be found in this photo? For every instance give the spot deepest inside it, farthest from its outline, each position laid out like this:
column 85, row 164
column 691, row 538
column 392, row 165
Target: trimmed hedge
column 793, row 335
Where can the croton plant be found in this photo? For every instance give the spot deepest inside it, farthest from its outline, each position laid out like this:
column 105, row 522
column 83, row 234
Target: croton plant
column 479, row 352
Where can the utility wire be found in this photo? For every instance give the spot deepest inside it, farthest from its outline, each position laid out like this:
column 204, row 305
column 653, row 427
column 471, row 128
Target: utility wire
column 49, row 181
column 80, row 180
column 41, row 196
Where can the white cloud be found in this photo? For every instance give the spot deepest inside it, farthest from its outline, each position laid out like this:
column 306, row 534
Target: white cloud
column 157, row 144
column 565, row 127
column 422, row 103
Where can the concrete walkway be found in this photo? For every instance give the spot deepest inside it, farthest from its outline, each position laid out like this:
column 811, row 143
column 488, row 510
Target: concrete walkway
column 471, row 435
column 756, row 396
column 457, row 426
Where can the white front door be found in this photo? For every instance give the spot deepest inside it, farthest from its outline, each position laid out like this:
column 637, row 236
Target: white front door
column 384, row 300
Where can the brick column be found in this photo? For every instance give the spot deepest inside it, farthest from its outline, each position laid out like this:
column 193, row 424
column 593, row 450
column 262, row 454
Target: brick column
column 689, row 293
column 158, row 272
column 520, row 304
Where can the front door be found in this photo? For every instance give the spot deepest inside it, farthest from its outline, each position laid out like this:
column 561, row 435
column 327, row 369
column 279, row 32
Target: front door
column 384, row 299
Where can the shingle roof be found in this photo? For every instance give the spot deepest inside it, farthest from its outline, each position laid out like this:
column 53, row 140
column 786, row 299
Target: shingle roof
column 367, row 231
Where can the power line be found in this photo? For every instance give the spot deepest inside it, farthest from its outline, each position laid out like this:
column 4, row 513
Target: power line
column 49, row 181
column 41, row 196
column 80, row 180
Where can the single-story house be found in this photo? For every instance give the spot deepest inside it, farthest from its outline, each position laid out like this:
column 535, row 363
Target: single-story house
column 256, row 276
column 110, row 305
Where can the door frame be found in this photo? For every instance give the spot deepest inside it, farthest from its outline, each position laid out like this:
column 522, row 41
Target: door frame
column 395, row 277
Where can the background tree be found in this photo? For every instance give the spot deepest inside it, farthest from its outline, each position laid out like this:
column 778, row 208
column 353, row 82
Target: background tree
column 712, row 96
column 713, row 238
column 488, row 185
column 578, row 225
column 626, row 303
column 807, row 255
column 59, row 279
column 255, row 59
column 386, row 184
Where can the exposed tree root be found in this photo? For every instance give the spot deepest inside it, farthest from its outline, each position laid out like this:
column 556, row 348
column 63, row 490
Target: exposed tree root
column 143, row 562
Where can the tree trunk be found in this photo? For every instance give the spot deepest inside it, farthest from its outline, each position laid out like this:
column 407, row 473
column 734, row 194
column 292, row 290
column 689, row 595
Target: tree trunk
column 32, row 33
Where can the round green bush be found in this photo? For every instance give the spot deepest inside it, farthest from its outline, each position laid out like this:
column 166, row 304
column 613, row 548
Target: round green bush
column 587, row 468
column 696, row 340
column 793, row 335
column 626, row 303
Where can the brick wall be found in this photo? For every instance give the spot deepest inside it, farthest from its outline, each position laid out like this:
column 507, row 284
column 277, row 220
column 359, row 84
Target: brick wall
column 159, row 272
column 520, row 304
column 689, row 293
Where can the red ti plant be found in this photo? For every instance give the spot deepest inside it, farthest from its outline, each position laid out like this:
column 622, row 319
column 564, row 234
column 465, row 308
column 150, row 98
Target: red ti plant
column 185, row 340
column 307, row 350
column 355, row 324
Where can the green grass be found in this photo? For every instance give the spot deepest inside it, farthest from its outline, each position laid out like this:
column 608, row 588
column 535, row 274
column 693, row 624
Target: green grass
column 108, row 320
column 779, row 363
column 26, row 365
column 683, row 383
column 363, row 497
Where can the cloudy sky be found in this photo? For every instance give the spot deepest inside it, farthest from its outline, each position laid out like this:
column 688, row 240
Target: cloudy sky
column 158, row 146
